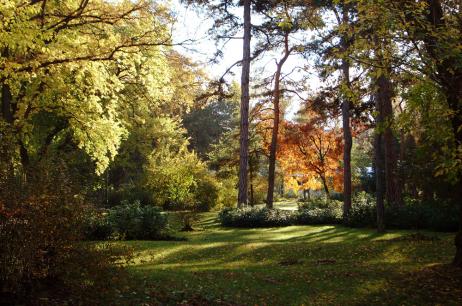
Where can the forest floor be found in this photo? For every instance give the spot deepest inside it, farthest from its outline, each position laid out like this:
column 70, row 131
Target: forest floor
column 297, row 265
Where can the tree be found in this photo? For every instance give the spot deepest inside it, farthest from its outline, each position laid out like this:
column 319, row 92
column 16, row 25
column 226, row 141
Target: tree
column 245, row 100
column 316, row 149
column 72, row 65
column 207, row 124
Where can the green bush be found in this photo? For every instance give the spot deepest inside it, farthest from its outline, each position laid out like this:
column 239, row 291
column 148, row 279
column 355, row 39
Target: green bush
column 256, row 217
column 128, row 221
column 319, row 203
column 414, row 214
column 441, row 216
column 363, row 212
column 206, row 193
column 320, row 211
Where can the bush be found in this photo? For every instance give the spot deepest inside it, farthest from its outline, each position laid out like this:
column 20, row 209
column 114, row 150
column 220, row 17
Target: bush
column 363, row 212
column 256, row 217
column 227, row 193
column 97, row 225
column 41, row 253
column 128, row 221
column 320, row 211
column 206, row 193
column 438, row 216
column 319, row 203
column 414, row 214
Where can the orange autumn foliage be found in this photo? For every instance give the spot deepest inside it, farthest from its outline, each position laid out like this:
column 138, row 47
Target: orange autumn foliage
column 311, row 154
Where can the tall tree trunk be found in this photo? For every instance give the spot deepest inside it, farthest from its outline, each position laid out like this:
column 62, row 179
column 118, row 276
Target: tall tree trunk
column 275, row 131
column 455, row 103
column 245, row 99
column 379, row 159
column 457, row 261
column 379, row 181
column 385, row 93
column 393, row 188
column 348, row 140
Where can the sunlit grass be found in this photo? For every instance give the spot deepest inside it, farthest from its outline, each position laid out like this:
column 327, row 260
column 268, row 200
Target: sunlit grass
column 296, row 265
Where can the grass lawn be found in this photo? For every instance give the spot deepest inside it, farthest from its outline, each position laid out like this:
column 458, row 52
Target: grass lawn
column 297, row 265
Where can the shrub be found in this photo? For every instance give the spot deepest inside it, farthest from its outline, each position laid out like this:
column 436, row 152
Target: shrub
column 329, row 215
column 256, row 217
column 320, row 211
column 363, row 212
column 441, row 216
column 227, row 193
column 319, row 203
column 414, row 214
column 206, row 193
column 41, row 253
column 127, row 221
column 97, row 225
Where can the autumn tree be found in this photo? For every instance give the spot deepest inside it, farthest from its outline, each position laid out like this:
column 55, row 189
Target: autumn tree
column 317, row 149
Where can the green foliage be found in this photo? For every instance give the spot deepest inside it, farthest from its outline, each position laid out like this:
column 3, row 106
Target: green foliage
column 180, row 181
column 206, row 124
column 320, row 211
column 256, row 217
column 227, row 192
column 431, row 215
column 363, row 212
column 128, row 221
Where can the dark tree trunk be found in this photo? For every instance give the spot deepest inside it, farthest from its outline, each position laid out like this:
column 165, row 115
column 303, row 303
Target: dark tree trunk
column 455, row 103
column 348, row 142
column 379, row 182
column 245, row 97
column 379, row 156
column 457, row 261
column 347, row 139
column 275, row 131
column 326, row 187
column 393, row 188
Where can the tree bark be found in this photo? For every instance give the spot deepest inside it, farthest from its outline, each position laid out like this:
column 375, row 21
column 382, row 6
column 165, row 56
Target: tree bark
column 326, row 187
column 275, row 130
column 379, row 160
column 393, row 188
column 379, row 153
column 245, row 99
column 457, row 261
column 384, row 96
column 379, row 182
column 347, row 138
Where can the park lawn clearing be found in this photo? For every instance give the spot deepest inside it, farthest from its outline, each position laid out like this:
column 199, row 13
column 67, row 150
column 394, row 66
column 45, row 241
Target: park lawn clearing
column 297, row 265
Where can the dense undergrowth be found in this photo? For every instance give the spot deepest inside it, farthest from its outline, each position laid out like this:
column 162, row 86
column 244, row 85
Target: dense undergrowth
column 412, row 215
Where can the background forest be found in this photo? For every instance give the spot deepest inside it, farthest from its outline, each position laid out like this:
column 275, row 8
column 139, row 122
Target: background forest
column 114, row 141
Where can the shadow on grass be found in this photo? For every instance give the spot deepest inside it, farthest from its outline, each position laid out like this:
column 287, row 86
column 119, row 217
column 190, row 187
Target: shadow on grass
column 367, row 284
column 335, row 265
